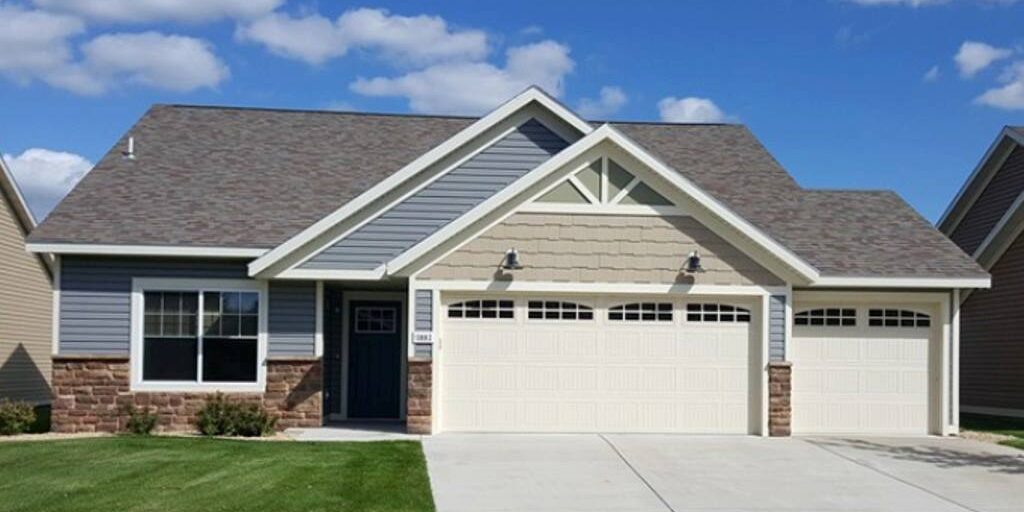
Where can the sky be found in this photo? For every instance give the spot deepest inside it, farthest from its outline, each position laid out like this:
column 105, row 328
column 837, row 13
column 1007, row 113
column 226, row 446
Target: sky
column 864, row 94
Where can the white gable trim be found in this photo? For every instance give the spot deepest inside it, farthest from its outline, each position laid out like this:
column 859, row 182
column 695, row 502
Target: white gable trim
column 986, row 169
column 533, row 94
column 1002, row 235
column 146, row 250
column 590, row 141
column 902, row 282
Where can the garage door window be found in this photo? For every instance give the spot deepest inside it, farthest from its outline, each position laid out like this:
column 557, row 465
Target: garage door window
column 482, row 309
column 897, row 318
column 710, row 312
column 831, row 317
column 641, row 312
column 558, row 310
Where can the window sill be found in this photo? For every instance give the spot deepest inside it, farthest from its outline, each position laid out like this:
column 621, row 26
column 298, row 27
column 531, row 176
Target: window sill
column 196, row 387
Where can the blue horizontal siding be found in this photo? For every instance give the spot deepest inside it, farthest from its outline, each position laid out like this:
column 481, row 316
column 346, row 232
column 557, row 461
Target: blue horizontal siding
column 777, row 328
column 439, row 203
column 292, row 322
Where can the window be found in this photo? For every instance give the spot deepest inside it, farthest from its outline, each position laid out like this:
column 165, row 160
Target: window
column 897, row 318
column 710, row 312
column 556, row 310
column 198, row 338
column 376, row 320
column 641, row 312
column 482, row 309
column 843, row 317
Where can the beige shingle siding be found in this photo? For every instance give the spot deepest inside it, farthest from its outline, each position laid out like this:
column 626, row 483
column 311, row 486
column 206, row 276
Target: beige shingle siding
column 25, row 323
column 992, row 337
column 992, row 204
column 602, row 248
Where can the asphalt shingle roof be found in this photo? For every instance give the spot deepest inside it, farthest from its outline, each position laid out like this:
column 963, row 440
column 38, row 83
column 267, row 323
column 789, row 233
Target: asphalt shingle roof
column 231, row 177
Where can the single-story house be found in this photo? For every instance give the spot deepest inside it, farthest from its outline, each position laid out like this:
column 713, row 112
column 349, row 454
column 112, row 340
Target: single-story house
column 527, row 270
column 986, row 220
column 26, row 302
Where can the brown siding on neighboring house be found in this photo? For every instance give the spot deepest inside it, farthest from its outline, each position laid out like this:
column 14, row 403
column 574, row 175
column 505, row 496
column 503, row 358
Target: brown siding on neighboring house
column 993, row 202
column 992, row 337
column 25, row 324
column 601, row 248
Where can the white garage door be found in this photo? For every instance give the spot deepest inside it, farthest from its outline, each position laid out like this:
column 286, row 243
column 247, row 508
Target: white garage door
column 861, row 369
column 589, row 364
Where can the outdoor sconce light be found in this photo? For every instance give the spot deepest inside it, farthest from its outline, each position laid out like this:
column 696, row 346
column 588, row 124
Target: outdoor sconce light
column 693, row 262
column 511, row 261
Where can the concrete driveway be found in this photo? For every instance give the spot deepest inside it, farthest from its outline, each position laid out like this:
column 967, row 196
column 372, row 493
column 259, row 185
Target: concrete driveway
column 489, row 472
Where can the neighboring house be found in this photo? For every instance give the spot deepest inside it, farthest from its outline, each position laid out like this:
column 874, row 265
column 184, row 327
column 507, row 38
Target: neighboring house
column 986, row 220
column 524, row 271
column 26, row 302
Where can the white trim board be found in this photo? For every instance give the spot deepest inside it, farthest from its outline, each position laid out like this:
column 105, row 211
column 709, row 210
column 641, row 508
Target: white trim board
column 901, row 282
column 531, row 95
column 987, row 168
column 145, row 250
column 601, row 288
column 606, row 133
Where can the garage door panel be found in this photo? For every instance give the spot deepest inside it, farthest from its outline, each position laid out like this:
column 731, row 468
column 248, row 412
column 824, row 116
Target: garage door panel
column 860, row 379
column 594, row 376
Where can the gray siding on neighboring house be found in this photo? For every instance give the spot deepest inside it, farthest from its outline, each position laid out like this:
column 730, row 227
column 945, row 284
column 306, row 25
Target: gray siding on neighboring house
column 777, row 328
column 442, row 201
column 424, row 310
column 292, row 322
column 95, row 302
column 992, row 204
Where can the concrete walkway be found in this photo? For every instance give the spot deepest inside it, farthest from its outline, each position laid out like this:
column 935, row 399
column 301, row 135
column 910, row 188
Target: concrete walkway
column 369, row 431
column 675, row 473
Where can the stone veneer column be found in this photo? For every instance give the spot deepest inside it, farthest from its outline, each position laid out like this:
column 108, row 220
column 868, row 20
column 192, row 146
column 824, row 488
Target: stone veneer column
column 418, row 405
column 91, row 392
column 780, row 408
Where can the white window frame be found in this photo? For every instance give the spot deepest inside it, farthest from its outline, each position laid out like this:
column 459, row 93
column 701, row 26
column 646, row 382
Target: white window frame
column 899, row 318
column 561, row 302
column 736, row 312
column 497, row 310
column 826, row 317
column 141, row 285
column 394, row 321
column 609, row 310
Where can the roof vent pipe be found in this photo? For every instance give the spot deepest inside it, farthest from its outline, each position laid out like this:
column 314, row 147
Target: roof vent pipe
column 130, row 154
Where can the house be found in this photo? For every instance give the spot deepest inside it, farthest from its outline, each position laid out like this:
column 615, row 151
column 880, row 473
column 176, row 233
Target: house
column 523, row 271
column 26, row 302
column 985, row 220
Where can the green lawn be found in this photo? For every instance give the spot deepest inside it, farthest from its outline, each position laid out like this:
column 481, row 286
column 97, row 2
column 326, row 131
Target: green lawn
column 997, row 425
column 171, row 474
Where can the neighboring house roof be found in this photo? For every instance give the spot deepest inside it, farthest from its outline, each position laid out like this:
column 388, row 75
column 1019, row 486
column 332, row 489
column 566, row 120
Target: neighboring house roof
column 12, row 195
column 987, row 215
column 253, row 178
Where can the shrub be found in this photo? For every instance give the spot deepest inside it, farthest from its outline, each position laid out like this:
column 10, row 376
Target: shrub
column 16, row 417
column 219, row 417
column 140, row 421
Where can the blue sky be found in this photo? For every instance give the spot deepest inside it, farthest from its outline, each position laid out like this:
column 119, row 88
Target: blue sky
column 865, row 94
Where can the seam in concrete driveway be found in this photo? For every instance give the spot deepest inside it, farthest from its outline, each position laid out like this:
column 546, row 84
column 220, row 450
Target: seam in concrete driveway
column 894, row 477
column 635, row 472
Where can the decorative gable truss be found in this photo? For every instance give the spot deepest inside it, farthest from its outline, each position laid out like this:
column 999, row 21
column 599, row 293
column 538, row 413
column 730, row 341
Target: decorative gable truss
column 603, row 186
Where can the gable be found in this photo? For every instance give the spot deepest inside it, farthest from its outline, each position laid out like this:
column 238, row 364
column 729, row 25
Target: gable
column 445, row 199
column 993, row 202
column 603, row 182
column 599, row 248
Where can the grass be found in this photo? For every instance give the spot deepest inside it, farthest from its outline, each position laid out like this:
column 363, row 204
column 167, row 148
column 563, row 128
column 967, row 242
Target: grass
column 176, row 474
column 1013, row 427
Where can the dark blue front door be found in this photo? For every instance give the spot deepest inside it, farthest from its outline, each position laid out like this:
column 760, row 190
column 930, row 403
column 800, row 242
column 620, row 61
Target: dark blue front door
column 375, row 358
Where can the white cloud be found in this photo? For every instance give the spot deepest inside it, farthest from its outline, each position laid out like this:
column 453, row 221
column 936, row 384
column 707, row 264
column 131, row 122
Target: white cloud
column 161, row 10
column 406, row 40
column 911, row 3
column 690, row 110
column 932, row 74
column 610, row 101
column 34, row 43
column 476, row 87
column 46, row 176
column 974, row 57
column 1010, row 95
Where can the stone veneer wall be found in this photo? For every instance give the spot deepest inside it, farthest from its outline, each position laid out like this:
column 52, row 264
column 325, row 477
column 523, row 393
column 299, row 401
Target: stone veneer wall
column 418, row 407
column 780, row 406
column 92, row 391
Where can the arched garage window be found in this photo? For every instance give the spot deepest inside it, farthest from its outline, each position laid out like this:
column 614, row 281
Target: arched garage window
column 897, row 318
column 493, row 308
column 711, row 312
column 832, row 317
column 641, row 312
column 558, row 310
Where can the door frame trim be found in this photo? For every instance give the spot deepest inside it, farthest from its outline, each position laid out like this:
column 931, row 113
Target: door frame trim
column 346, row 298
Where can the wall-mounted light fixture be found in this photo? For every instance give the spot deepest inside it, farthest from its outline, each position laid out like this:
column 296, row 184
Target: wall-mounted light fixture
column 693, row 262
column 511, row 260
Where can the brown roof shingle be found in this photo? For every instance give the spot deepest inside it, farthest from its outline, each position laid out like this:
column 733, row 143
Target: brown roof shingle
column 235, row 177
